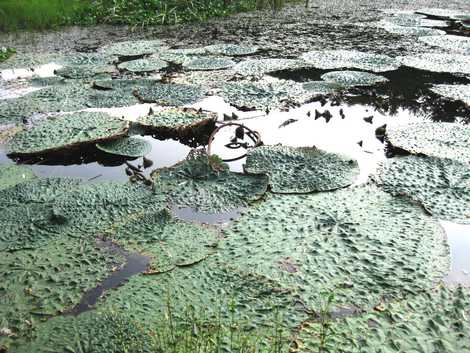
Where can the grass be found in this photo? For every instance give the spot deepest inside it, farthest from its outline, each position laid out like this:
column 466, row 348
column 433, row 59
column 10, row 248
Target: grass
column 47, row 14
column 5, row 53
column 41, row 14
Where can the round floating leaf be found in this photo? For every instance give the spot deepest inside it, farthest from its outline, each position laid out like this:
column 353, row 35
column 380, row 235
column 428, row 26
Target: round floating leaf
column 257, row 67
column 444, row 140
column 339, row 59
column 321, row 87
column 91, row 208
column 168, row 241
column 127, row 146
column 456, row 44
column 82, row 72
column 215, row 292
column 66, row 131
column 301, row 170
column 207, row 63
column 441, row 185
column 87, row 59
column 178, row 122
column 170, row 94
column 362, row 244
column 442, row 13
column 454, row 92
column 230, row 49
column 11, row 175
column 135, row 48
column 27, row 61
column 127, row 86
column 412, row 31
column 434, row 321
column 172, row 56
column 143, row 65
column 206, row 80
column 453, row 63
column 412, row 20
column 206, row 184
column 353, row 78
column 92, row 332
column 261, row 95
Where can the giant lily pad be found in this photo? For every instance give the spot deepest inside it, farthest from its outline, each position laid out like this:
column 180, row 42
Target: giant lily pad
column 258, row 67
column 11, row 175
column 170, row 242
column 434, row 321
column 66, row 131
column 127, row 146
column 339, row 59
column 102, row 332
column 40, row 283
column 413, row 20
column 26, row 61
column 170, row 94
column 83, row 72
column 353, row 78
column 441, row 185
column 123, row 85
column 262, row 95
column 206, row 184
column 301, row 170
column 321, row 87
column 230, row 49
column 362, row 244
column 412, row 31
column 453, row 63
column 178, row 122
column 208, row 63
column 456, row 44
column 441, row 13
column 143, row 65
column 444, row 140
column 454, row 92
column 87, row 59
column 135, row 48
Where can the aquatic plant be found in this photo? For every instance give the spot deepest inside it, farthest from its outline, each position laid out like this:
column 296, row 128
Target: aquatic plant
column 207, row 185
column 207, row 63
column 230, row 49
column 127, row 146
column 454, row 92
column 170, row 94
column 301, row 170
column 442, row 186
column 452, row 63
column 12, row 174
column 456, row 44
column 134, row 48
column 353, row 78
column 259, row 67
column 143, row 65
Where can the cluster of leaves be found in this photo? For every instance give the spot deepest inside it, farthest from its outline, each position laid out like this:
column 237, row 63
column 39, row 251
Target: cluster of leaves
column 5, row 53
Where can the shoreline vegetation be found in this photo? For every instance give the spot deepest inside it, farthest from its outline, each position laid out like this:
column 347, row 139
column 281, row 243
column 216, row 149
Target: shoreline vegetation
column 49, row 14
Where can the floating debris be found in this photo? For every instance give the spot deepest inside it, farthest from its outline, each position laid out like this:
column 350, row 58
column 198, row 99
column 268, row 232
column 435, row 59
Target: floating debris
column 65, row 132
column 127, row 146
column 441, row 185
column 302, row 169
column 351, row 59
column 353, row 78
column 443, row 140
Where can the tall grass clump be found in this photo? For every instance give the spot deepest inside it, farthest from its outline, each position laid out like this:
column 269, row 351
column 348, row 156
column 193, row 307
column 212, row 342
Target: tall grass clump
column 42, row 14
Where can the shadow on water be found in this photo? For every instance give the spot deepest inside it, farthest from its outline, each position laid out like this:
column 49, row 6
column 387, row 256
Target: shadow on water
column 135, row 264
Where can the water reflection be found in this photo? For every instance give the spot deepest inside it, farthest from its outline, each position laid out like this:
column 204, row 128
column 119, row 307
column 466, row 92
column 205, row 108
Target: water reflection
column 458, row 236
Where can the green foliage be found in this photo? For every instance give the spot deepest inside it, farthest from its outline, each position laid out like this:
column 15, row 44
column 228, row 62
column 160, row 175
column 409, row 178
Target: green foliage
column 5, row 53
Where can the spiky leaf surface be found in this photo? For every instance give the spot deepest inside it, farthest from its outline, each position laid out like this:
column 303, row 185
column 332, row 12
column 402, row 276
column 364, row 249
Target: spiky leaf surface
column 361, row 243
column 441, row 185
column 66, row 131
column 85, row 72
column 230, row 49
column 259, row 67
column 262, row 95
column 442, row 13
column 208, row 63
column 176, row 119
column 432, row 322
column 46, row 281
column 127, row 146
column 208, row 185
column 454, row 92
column 143, row 65
column 444, row 140
column 352, row 59
column 170, row 94
column 452, row 63
column 135, row 48
column 11, row 175
column 353, row 78
column 301, row 170
column 412, row 31
column 169, row 242
column 321, row 87
column 456, row 44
